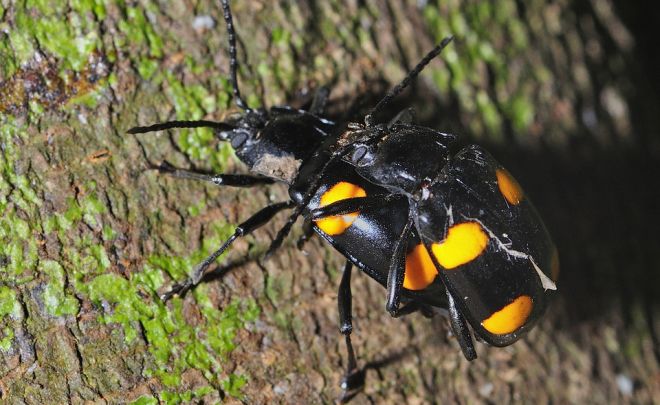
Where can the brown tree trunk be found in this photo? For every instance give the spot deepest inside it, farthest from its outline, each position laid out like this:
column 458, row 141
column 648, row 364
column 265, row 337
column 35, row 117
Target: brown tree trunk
column 89, row 237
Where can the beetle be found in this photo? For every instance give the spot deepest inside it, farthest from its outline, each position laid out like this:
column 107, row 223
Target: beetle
column 438, row 230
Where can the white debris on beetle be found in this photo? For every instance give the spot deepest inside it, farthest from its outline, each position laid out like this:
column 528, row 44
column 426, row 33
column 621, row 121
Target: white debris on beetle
column 283, row 168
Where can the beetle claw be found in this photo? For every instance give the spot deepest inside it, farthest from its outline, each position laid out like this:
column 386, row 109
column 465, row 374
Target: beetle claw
column 351, row 384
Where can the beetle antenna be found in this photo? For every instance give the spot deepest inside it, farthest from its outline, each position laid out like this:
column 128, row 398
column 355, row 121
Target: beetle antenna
column 369, row 119
column 221, row 126
column 233, row 61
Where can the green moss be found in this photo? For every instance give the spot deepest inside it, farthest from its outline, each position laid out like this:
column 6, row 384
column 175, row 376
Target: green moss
column 10, row 310
column 6, row 339
column 179, row 267
column 18, row 247
column 116, row 290
column 21, row 44
column 478, row 27
column 83, row 270
column 71, row 39
column 233, row 385
column 9, row 305
column 147, row 68
column 145, row 400
column 18, row 203
column 8, row 66
column 108, row 233
column 139, row 32
column 88, row 208
column 521, row 112
column 87, row 99
column 196, row 209
column 56, row 300
column 176, row 344
column 488, row 112
column 84, row 7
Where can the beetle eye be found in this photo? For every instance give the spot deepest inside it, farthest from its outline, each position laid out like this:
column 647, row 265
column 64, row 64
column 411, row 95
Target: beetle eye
column 238, row 139
column 358, row 154
column 361, row 156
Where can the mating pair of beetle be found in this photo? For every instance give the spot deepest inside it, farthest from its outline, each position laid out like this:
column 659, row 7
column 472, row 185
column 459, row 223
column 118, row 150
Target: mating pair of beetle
column 436, row 230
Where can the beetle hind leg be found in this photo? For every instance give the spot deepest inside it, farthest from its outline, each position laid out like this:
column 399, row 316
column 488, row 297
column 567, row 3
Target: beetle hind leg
column 353, row 379
column 460, row 329
column 412, row 307
column 262, row 217
column 308, row 232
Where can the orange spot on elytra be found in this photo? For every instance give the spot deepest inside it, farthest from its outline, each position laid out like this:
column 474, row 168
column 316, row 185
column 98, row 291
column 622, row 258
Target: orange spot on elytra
column 509, row 187
column 509, row 318
column 420, row 270
column 464, row 242
column 339, row 223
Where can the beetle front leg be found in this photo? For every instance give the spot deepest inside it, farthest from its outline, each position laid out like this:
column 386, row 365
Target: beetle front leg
column 397, row 270
column 232, row 180
column 353, row 380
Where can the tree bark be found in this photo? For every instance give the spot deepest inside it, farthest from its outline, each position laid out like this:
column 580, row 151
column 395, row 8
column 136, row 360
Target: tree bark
column 89, row 236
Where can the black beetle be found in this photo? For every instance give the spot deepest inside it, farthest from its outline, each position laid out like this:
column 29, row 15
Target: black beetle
column 436, row 230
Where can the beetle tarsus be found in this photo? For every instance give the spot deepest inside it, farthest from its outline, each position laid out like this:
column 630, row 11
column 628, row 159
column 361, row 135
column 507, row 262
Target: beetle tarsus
column 351, row 384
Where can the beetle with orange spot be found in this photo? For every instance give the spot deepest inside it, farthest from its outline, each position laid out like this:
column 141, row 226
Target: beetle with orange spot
column 442, row 232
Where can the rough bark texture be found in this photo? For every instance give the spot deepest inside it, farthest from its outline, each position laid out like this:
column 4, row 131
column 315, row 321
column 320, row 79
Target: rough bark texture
column 563, row 93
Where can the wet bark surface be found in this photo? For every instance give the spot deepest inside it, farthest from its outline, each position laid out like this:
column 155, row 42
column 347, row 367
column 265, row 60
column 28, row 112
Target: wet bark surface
column 562, row 93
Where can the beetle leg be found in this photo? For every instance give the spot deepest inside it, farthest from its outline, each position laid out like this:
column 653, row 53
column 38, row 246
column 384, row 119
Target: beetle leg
column 405, row 116
column 347, row 206
column 397, row 269
column 353, row 380
column 320, row 100
column 344, row 303
column 282, row 233
column 232, row 180
column 161, row 126
column 461, row 331
column 308, row 232
column 413, row 306
column 340, row 207
column 255, row 221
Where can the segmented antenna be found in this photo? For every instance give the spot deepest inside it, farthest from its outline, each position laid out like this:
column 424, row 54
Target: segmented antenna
column 182, row 124
column 233, row 61
column 369, row 120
